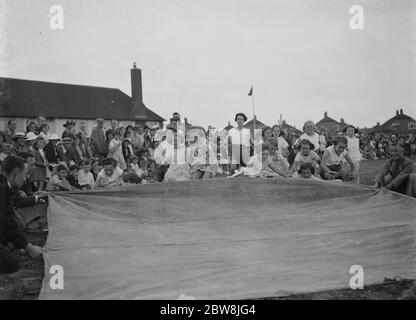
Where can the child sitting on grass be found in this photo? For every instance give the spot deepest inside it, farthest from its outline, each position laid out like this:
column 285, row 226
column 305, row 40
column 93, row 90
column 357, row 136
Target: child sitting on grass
column 260, row 165
column 85, row 177
column 306, row 155
column 58, row 182
column 331, row 165
column 276, row 156
column 110, row 175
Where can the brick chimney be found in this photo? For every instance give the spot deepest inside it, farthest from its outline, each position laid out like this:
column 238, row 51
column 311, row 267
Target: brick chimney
column 342, row 121
column 136, row 84
column 397, row 112
column 401, row 111
column 325, row 114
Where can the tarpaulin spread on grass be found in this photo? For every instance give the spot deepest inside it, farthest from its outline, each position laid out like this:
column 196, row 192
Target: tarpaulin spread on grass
column 226, row 239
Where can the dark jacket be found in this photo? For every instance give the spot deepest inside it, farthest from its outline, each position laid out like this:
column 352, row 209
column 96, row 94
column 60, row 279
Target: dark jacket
column 51, row 153
column 9, row 230
column 398, row 169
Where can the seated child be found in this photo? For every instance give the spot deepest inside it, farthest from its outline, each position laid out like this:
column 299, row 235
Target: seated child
column 278, row 160
column 58, row 181
column 96, row 167
column 110, row 175
column 306, row 155
column 130, row 176
column 260, row 165
column 306, row 171
column 85, row 177
column 73, row 176
column 331, row 165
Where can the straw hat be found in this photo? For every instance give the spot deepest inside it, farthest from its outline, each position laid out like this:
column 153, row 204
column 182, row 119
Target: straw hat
column 30, row 136
column 54, row 136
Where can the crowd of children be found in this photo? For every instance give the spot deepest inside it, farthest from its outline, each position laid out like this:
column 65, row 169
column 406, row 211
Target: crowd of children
column 139, row 154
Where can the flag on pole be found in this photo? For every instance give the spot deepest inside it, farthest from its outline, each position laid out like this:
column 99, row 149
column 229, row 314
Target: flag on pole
column 251, row 91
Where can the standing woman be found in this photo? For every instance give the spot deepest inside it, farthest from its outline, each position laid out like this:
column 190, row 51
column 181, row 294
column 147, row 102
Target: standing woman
column 40, row 172
column 44, row 132
column 115, row 150
column 239, row 138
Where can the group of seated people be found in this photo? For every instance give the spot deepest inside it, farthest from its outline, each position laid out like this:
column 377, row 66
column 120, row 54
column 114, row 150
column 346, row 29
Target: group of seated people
column 139, row 154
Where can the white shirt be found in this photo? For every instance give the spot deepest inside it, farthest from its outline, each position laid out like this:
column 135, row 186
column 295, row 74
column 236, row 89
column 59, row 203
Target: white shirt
column 239, row 136
column 313, row 138
column 85, row 178
column 114, row 180
column 353, row 149
column 333, row 158
column 160, row 153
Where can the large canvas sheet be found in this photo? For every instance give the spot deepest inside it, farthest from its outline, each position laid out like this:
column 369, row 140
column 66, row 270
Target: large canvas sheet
column 226, row 239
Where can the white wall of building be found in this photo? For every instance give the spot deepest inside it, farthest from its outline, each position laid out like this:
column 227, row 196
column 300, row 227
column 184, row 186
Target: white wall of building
column 56, row 125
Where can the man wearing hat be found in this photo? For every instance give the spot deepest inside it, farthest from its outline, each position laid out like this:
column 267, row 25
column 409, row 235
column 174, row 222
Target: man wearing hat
column 19, row 142
column 99, row 143
column 30, row 141
column 51, row 150
column 68, row 133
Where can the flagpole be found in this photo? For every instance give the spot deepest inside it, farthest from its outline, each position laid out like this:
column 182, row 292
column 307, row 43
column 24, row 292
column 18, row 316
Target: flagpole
column 254, row 114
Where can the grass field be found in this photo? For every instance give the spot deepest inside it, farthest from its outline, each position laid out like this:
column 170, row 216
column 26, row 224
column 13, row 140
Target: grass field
column 27, row 283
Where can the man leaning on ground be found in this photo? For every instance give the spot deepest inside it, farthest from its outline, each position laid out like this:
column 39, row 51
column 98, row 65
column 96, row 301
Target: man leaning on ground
column 13, row 174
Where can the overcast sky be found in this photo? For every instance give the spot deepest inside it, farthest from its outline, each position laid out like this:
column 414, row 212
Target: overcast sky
column 200, row 57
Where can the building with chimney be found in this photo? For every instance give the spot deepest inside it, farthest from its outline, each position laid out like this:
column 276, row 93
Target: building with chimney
column 331, row 125
column 399, row 124
column 24, row 100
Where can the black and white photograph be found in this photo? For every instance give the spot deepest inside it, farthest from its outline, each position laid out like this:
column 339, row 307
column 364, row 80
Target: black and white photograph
column 228, row 153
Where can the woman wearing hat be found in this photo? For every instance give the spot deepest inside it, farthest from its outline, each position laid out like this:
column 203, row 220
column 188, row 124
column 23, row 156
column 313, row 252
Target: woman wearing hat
column 30, row 141
column 20, row 142
column 68, row 132
column 240, row 142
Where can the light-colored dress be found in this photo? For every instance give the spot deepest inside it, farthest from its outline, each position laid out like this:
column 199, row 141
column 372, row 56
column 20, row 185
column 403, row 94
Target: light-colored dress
column 116, row 152
column 179, row 169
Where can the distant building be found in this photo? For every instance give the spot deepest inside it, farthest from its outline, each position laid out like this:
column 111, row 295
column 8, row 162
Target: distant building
column 250, row 124
column 399, row 124
column 289, row 128
column 58, row 102
column 330, row 125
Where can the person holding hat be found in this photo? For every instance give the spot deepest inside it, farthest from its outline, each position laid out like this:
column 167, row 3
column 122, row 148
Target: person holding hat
column 98, row 140
column 306, row 155
column 353, row 150
column 68, row 132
